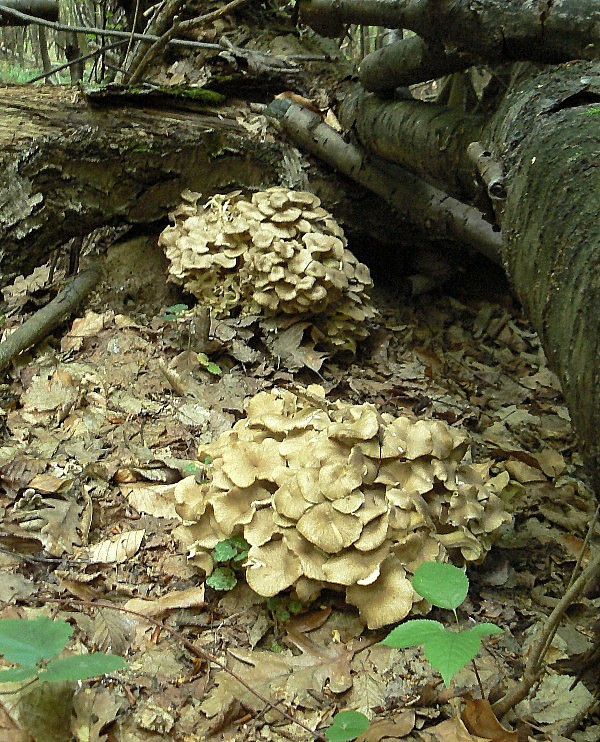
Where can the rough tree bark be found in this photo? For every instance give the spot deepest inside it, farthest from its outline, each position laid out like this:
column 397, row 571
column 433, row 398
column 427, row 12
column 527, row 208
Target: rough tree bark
column 69, row 168
column 544, row 140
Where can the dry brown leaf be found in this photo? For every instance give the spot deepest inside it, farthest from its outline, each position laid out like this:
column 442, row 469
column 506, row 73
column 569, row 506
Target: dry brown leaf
column 192, row 598
column 479, row 719
column 115, row 550
column 400, row 725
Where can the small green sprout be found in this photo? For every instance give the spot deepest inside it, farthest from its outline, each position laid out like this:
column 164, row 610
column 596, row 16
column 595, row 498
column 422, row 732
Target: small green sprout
column 282, row 608
column 229, row 554
column 446, row 650
column 33, row 645
column 174, row 313
column 209, row 365
column 347, row 725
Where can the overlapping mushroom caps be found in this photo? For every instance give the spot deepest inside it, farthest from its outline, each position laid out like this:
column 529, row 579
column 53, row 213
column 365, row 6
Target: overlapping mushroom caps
column 341, row 496
column 277, row 253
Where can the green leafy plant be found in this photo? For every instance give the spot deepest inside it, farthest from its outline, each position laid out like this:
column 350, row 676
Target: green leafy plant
column 347, row 725
column 447, row 650
column 174, row 313
column 33, row 645
column 229, row 554
column 209, row 365
column 283, row 607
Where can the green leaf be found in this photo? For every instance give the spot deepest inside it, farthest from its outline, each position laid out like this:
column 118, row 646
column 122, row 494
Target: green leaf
column 214, row 369
column 81, row 666
column 17, row 674
column 223, row 578
column 191, row 468
column 486, row 629
column 174, row 312
column 451, row 651
column 347, row 725
column 443, row 585
column 224, row 551
column 412, row 633
column 28, row 641
column 211, row 367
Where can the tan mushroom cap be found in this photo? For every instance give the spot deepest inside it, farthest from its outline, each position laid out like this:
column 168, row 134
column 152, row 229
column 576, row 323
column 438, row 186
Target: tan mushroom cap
column 272, row 568
column 351, row 566
column 387, row 600
column 329, row 529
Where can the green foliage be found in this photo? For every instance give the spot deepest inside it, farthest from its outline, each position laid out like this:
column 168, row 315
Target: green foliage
column 441, row 584
column 593, row 111
column 13, row 73
column 211, row 367
column 347, row 725
column 174, row 313
column 229, row 553
column 222, row 578
column 33, row 644
column 282, row 608
column 447, row 651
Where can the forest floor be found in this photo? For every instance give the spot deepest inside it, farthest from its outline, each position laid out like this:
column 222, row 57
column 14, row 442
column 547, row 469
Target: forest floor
column 97, row 435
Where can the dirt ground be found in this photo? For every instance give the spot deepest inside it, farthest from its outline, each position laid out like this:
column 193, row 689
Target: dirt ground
column 102, row 421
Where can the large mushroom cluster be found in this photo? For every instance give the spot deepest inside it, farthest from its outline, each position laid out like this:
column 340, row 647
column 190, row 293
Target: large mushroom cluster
column 277, row 253
column 341, row 496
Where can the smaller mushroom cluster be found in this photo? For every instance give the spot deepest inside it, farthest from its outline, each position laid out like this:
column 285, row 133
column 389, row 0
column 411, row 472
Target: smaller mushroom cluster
column 341, row 496
column 277, row 253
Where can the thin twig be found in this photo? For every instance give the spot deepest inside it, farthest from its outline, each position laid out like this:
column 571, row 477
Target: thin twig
column 105, row 48
column 534, row 662
column 197, row 651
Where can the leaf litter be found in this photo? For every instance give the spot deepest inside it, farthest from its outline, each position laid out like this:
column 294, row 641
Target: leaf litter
column 99, row 428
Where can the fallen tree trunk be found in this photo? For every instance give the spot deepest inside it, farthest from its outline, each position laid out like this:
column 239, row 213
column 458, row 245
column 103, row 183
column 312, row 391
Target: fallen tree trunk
column 69, row 168
column 546, row 138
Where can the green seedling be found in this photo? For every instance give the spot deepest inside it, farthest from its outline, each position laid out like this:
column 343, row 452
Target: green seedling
column 174, row 313
column 347, row 725
column 33, row 645
column 447, row 650
column 282, row 608
column 229, row 555
column 209, row 365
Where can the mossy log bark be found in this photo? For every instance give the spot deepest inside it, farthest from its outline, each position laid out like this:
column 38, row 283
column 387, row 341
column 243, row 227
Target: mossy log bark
column 547, row 135
column 68, row 168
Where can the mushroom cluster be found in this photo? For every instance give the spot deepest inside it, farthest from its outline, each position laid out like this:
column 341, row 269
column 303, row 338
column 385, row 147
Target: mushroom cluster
column 277, row 253
column 341, row 496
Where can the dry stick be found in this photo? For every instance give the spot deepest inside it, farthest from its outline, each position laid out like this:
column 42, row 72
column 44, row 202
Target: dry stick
column 41, row 324
column 532, row 669
column 197, row 651
column 100, row 50
column 147, row 38
column 177, row 28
